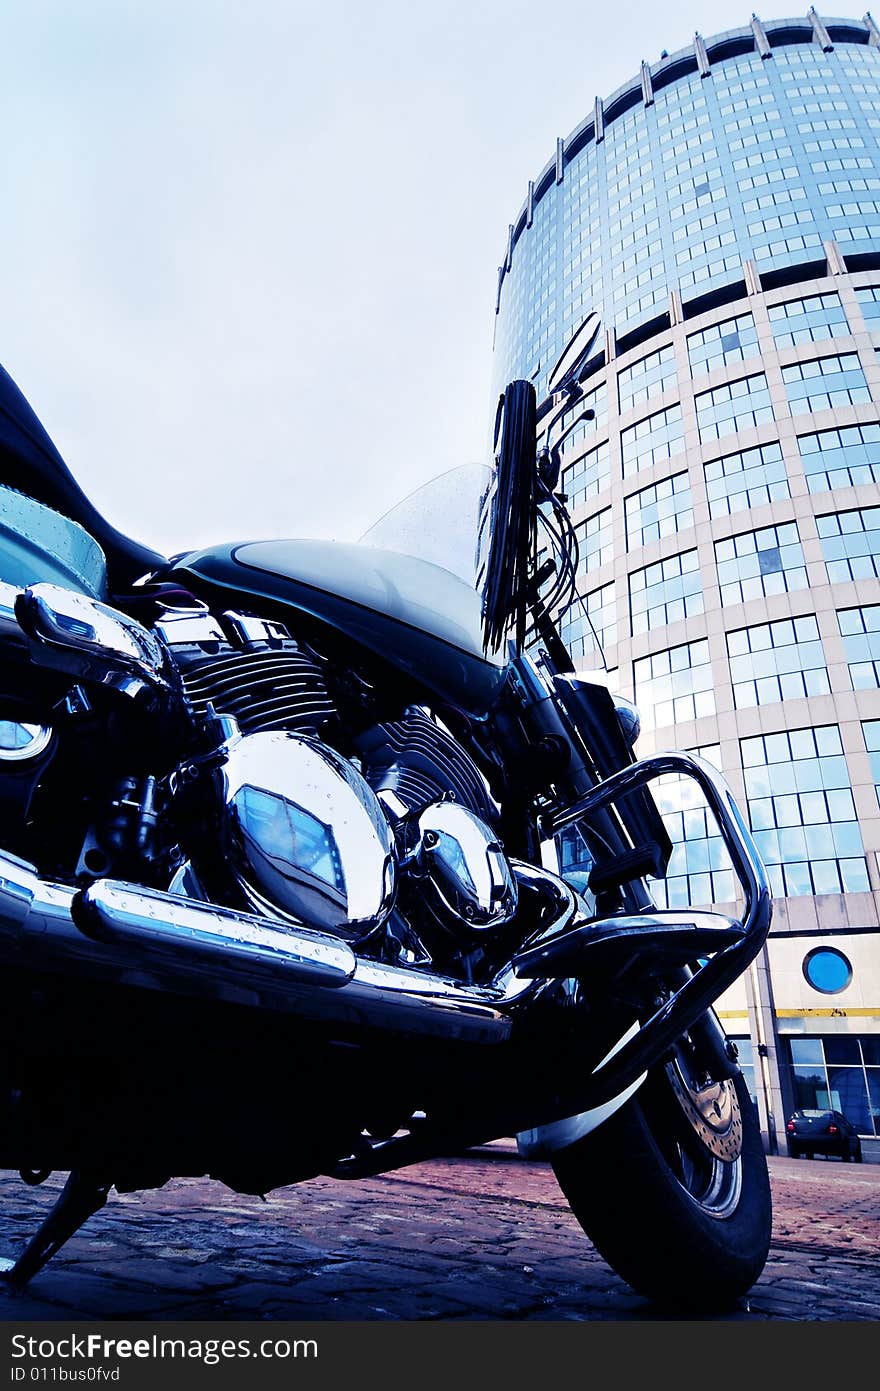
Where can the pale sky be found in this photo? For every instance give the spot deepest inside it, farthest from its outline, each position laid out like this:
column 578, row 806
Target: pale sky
column 249, row 251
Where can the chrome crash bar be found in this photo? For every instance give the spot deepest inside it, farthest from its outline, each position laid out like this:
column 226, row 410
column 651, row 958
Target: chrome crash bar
column 735, row 942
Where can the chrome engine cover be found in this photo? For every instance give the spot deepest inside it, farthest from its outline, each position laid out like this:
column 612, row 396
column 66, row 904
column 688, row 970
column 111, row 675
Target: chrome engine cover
column 302, row 833
column 471, row 879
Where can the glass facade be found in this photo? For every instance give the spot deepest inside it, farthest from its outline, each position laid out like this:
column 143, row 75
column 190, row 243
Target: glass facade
column 860, row 630
column 777, row 661
column 675, row 685
column 871, row 735
column 851, row 544
column 844, row 458
column 838, row 1074
column 595, row 540
column 758, row 563
column 802, row 812
column 734, row 407
column 665, row 592
column 825, row 382
column 651, row 441
column 807, row 320
column 661, row 510
column 725, row 226
column 648, row 377
column 733, row 340
column 750, row 478
column 588, row 475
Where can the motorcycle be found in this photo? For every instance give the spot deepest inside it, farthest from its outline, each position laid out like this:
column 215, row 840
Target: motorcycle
column 278, row 892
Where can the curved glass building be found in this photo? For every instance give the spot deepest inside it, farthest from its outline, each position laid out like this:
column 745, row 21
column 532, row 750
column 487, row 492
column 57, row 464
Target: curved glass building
column 722, row 213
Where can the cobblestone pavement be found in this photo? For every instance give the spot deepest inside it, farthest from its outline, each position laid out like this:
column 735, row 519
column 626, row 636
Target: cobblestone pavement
column 485, row 1236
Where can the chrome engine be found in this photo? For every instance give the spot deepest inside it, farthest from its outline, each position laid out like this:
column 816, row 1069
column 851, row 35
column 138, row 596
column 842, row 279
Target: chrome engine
column 403, row 831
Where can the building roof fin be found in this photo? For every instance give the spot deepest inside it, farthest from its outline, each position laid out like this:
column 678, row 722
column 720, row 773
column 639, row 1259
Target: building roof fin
column 762, row 43
column 647, row 86
column 819, row 30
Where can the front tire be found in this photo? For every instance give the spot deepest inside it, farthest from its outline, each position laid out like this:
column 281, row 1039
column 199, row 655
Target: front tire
column 680, row 1210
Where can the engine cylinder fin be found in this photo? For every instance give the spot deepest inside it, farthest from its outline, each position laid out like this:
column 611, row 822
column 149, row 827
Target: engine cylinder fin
column 263, row 690
column 416, row 759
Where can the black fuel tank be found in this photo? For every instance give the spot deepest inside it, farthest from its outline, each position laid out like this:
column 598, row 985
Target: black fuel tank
column 415, row 614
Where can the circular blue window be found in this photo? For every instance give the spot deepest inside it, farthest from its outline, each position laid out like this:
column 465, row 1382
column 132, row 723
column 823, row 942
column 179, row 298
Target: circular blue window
column 827, row 969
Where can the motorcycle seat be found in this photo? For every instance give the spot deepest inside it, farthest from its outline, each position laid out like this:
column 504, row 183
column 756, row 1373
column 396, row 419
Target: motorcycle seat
column 31, row 465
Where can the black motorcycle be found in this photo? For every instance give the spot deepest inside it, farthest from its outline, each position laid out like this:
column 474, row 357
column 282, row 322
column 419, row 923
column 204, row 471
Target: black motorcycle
column 278, row 895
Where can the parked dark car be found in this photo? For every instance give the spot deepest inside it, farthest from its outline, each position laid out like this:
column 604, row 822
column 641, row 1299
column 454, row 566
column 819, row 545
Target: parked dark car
column 823, row 1132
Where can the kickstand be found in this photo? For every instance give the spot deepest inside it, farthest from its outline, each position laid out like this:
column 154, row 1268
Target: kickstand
column 82, row 1195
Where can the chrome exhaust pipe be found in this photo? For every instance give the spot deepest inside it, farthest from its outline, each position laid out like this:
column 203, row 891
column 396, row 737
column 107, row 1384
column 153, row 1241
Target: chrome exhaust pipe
column 123, row 934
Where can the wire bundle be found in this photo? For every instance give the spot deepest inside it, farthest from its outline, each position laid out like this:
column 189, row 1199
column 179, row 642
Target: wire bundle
column 513, row 551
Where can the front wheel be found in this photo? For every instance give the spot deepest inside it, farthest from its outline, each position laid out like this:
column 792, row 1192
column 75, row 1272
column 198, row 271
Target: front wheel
column 673, row 1190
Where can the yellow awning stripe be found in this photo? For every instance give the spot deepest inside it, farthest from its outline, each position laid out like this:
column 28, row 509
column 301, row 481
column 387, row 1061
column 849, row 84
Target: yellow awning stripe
column 840, row 1012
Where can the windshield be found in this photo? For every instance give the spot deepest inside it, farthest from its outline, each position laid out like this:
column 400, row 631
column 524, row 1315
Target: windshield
column 440, row 521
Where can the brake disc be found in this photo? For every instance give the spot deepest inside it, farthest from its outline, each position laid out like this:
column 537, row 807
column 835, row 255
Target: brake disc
column 713, row 1111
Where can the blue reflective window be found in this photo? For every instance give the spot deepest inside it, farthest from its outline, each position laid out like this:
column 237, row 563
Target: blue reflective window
column 871, row 735
column 648, row 377
column 661, row 510
column 665, row 592
column 734, row 340
column 650, row 441
column 596, row 539
column 844, row 458
column 674, row 685
column 802, row 812
column 589, row 628
column 825, row 383
column 733, row 407
column 807, row 320
column 756, row 563
column 750, row 478
column 851, row 544
column 777, row 661
column 869, row 300
column 700, row 871
column 588, row 475
column 826, row 969
column 860, row 630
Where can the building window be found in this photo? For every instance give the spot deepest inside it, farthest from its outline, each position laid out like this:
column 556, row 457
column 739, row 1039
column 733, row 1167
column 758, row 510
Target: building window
column 751, row 478
column 665, row 592
column 731, row 341
column 827, row 970
column 802, row 812
column 840, row 1072
column 746, row 1062
column 777, row 661
column 652, row 440
column 844, row 458
column 675, row 685
column 733, row 407
column 595, row 400
column 588, row 475
column 868, row 297
column 807, row 320
column 871, row 736
column 589, row 628
column 825, row 383
column 648, row 377
column 661, row 510
column 851, row 544
column 756, row 563
column 596, row 539
column 860, row 630
column 700, row 872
